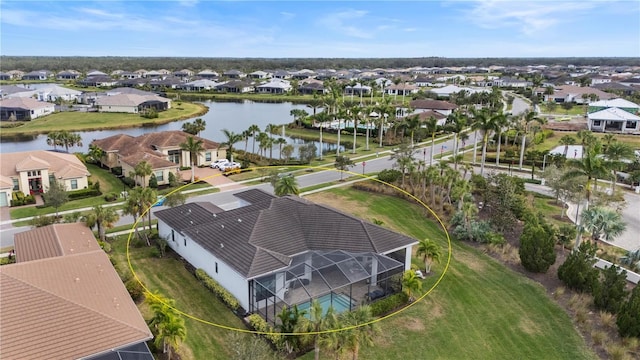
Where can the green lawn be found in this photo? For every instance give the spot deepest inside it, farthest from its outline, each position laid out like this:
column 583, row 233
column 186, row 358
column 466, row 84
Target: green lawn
column 170, row 277
column 108, row 182
column 79, row 121
column 480, row 310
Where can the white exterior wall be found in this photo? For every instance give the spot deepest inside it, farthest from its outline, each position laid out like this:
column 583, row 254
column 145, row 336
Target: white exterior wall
column 5, row 197
column 82, row 183
column 200, row 258
column 118, row 109
column 36, row 113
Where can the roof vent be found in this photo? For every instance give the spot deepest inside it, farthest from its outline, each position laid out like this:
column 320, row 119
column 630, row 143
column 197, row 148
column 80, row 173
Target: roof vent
column 222, row 226
column 221, row 245
column 214, row 215
column 239, row 220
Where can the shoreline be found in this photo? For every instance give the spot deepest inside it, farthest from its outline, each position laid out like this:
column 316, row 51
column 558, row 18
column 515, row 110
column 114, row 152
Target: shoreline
column 23, row 135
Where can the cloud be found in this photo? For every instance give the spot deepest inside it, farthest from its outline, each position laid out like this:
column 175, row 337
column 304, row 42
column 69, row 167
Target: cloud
column 188, row 3
column 287, row 15
column 345, row 23
column 529, row 16
column 100, row 13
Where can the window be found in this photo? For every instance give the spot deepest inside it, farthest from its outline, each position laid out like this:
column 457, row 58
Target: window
column 185, row 241
column 207, row 156
column 159, row 175
column 597, row 123
column 631, row 124
column 173, row 236
column 216, row 267
column 174, row 156
column 74, row 184
column 16, row 184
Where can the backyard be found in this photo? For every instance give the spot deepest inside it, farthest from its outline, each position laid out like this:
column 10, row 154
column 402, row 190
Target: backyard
column 480, row 310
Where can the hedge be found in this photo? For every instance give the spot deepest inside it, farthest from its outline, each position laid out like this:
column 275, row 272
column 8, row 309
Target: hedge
column 218, row 290
column 389, row 304
column 258, row 323
column 83, row 193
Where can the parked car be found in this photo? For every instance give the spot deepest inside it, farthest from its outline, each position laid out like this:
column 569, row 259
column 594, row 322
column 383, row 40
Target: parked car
column 216, row 164
column 229, row 166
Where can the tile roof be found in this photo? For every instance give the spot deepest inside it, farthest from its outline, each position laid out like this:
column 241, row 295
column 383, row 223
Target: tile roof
column 51, row 241
column 61, row 164
column 65, row 307
column 613, row 114
column 432, row 104
column 617, row 102
column 24, row 103
column 128, row 100
column 263, row 236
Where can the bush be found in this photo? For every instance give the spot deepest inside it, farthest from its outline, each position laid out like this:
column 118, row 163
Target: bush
column 629, row 316
column 105, row 246
column 389, row 304
column 537, row 248
column 609, row 294
column 173, row 181
column 117, row 170
column 153, row 181
column 110, row 197
column 259, row 324
column 83, row 193
column 577, row 272
column 43, row 220
column 135, row 289
column 218, row 290
column 127, row 180
column 389, row 175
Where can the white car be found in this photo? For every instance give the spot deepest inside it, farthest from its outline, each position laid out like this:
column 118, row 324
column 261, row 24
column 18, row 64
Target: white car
column 229, row 166
column 216, row 164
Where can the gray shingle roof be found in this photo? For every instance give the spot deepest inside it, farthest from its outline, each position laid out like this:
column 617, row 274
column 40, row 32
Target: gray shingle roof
column 263, row 236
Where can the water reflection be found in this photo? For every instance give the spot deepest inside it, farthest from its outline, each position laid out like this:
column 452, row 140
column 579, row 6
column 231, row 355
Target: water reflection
column 234, row 116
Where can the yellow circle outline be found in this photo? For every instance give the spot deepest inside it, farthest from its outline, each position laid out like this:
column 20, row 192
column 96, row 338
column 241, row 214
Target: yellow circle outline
column 446, row 267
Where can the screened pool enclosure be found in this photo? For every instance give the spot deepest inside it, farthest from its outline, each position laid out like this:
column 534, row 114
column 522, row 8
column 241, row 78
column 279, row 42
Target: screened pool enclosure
column 336, row 278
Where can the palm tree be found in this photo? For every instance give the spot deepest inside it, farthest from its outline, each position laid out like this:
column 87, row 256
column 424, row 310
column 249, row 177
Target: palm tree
column 54, row 139
column 432, row 127
column 586, row 138
column 139, row 203
column 484, row 122
column 286, row 185
column 96, row 153
column 592, row 166
column 298, row 115
column 263, row 140
column 290, row 317
column 253, row 129
column 103, row 218
column 194, row 148
column 456, row 123
column 316, row 324
column 501, row 121
column 616, row 153
column 411, row 284
column 429, row 250
column 143, row 169
column 70, row 140
column 363, row 332
column 245, row 136
column 199, row 125
column 603, row 223
column 413, row 123
column 171, row 332
column 232, row 138
column 387, row 112
column 280, row 142
column 528, row 118
column 566, row 141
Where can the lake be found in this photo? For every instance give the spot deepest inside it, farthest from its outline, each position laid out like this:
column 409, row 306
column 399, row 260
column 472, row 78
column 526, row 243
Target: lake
column 234, row 116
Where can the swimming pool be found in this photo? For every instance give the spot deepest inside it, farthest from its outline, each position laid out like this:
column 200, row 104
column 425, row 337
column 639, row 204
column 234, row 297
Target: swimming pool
column 340, row 303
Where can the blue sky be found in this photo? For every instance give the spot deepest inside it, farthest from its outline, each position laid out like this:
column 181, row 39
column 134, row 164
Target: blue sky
column 352, row 29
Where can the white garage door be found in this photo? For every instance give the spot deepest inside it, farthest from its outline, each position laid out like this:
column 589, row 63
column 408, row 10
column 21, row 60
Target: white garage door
column 3, row 198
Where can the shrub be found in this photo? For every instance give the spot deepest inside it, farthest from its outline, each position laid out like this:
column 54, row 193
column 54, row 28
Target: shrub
column 577, row 272
column 153, row 181
column 537, row 248
column 389, row 175
column 629, row 315
column 105, row 246
column 218, row 290
column 127, row 180
column 389, row 304
column 117, row 170
column 609, row 294
column 259, row 324
column 135, row 289
column 83, row 193
column 110, row 197
column 173, row 181
column 43, row 220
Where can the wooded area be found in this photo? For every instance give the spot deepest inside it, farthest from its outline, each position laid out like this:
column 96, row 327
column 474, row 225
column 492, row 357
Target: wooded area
column 111, row 63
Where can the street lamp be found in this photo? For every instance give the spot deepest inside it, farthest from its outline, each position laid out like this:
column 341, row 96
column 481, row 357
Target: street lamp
column 544, row 161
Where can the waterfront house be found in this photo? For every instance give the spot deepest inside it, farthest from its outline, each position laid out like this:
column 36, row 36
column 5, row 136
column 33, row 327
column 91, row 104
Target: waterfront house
column 31, row 172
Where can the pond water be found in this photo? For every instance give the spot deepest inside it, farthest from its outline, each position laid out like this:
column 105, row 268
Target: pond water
column 234, row 116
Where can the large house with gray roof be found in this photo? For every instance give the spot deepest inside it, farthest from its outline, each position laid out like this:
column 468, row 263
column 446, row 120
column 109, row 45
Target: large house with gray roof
column 272, row 252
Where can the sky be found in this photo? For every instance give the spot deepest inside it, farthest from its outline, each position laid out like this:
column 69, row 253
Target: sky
column 321, row 29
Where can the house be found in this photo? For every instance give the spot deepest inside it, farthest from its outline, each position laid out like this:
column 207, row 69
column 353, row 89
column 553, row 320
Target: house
column 357, row 89
column 234, row 74
column 284, row 251
column 576, row 94
column 312, row 88
column 24, row 109
column 443, row 107
column 424, row 116
column 281, row 74
column 208, row 74
column 401, row 89
column 275, row 86
column 614, row 119
column 8, row 91
column 200, row 85
column 303, row 74
column 63, row 299
column 160, row 149
column 617, row 115
column 132, row 103
column 68, row 75
column 4, row 76
column 33, row 171
column 446, row 91
column 259, row 75
column 37, row 75
column 95, row 72
column 98, row 81
column 507, row 82
column 183, row 74
column 236, row 86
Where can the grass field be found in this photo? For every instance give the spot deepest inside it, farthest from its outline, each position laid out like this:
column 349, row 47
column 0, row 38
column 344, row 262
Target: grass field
column 480, row 310
column 80, row 121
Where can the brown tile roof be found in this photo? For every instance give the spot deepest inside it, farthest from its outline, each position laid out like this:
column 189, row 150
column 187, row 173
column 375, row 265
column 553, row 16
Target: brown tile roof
column 425, row 115
column 56, row 240
column 132, row 150
column 24, row 103
column 262, row 237
column 432, row 104
column 66, row 307
column 61, row 164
